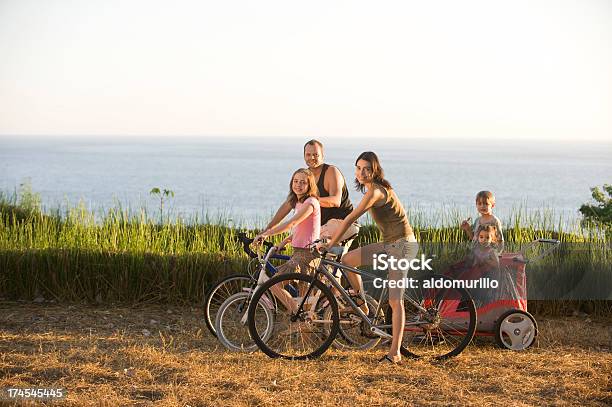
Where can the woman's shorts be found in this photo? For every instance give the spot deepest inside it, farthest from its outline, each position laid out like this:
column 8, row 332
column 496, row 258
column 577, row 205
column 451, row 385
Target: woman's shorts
column 302, row 261
column 404, row 248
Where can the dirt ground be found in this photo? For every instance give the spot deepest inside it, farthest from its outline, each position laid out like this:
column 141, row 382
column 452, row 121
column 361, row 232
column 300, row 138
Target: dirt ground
column 165, row 356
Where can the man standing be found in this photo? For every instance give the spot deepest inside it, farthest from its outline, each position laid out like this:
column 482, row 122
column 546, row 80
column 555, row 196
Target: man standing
column 333, row 193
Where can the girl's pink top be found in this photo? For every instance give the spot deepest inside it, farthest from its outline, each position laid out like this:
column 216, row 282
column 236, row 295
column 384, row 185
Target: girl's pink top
column 310, row 228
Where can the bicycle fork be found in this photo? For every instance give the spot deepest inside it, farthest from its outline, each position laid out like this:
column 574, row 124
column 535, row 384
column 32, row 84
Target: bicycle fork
column 262, row 278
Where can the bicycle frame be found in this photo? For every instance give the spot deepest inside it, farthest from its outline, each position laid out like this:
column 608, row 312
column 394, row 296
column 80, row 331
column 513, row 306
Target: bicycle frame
column 246, row 242
column 264, row 263
column 377, row 329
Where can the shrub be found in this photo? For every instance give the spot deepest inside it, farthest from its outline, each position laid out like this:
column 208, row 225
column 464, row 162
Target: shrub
column 601, row 211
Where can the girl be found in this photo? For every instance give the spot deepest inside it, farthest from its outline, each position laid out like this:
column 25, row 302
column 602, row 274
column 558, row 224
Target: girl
column 306, row 223
column 398, row 239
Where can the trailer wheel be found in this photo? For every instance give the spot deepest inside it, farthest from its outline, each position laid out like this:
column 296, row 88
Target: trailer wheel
column 516, row 330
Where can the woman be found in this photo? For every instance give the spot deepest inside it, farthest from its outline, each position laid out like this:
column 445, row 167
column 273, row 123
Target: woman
column 398, row 239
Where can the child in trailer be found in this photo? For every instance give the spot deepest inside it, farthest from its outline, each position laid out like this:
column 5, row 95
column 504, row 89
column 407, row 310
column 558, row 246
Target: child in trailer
column 484, row 263
column 484, row 248
column 485, row 202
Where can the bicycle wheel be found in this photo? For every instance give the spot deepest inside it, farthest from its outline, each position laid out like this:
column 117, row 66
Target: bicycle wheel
column 231, row 322
column 304, row 333
column 448, row 324
column 353, row 333
column 220, row 292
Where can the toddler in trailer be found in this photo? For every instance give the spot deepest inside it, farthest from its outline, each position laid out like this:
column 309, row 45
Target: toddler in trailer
column 484, row 251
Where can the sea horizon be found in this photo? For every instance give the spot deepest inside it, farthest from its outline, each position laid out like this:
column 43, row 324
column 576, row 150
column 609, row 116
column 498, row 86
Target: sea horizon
column 246, row 178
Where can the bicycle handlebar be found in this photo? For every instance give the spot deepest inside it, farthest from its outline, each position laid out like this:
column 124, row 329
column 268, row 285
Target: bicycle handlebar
column 553, row 242
column 246, row 244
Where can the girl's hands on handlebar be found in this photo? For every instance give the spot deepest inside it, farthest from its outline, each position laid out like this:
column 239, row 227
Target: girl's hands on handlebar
column 281, row 246
column 259, row 239
column 322, row 247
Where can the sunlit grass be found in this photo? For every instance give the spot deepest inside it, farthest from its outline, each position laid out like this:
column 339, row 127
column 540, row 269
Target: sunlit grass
column 126, row 255
column 162, row 355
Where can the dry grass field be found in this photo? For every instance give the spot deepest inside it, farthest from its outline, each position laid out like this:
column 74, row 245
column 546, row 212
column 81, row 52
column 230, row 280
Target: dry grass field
column 165, row 356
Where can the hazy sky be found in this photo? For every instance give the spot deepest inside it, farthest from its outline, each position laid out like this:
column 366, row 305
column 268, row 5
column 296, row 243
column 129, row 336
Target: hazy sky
column 520, row 68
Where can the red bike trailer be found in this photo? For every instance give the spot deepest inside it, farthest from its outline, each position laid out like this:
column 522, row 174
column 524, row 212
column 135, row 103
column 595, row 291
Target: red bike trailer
column 507, row 319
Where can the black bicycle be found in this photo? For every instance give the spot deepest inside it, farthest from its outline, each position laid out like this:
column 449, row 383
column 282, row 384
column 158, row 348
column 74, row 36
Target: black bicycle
column 440, row 314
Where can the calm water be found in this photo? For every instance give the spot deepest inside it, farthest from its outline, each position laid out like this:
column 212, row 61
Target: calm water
column 247, row 179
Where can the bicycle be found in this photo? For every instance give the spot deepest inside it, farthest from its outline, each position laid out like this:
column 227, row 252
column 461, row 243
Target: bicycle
column 234, row 283
column 230, row 322
column 440, row 323
column 231, row 318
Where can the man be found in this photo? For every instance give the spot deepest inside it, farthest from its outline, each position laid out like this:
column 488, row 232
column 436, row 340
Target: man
column 333, row 193
column 334, row 202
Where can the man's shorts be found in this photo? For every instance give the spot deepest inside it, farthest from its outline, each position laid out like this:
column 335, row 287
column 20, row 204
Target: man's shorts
column 328, row 230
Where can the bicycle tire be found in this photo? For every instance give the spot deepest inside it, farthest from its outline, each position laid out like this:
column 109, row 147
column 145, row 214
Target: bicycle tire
column 304, row 338
column 232, row 332
column 221, row 291
column 446, row 330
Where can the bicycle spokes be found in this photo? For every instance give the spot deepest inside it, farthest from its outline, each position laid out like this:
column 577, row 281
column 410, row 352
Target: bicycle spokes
column 441, row 325
column 300, row 329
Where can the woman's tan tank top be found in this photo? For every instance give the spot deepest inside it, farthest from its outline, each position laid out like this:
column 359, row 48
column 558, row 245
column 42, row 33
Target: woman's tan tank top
column 391, row 217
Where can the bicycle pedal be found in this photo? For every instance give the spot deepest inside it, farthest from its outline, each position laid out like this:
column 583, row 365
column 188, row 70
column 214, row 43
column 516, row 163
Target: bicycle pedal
column 378, row 332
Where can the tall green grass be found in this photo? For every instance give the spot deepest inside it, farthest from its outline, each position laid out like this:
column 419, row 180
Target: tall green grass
column 129, row 257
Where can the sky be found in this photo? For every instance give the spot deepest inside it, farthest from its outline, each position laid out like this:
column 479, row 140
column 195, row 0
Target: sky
column 448, row 69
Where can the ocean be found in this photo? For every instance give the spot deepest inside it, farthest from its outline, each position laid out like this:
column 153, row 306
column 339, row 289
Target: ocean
column 245, row 179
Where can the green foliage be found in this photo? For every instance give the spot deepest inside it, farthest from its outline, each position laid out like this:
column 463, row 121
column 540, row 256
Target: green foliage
column 123, row 256
column 23, row 204
column 166, row 193
column 601, row 211
column 28, row 200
